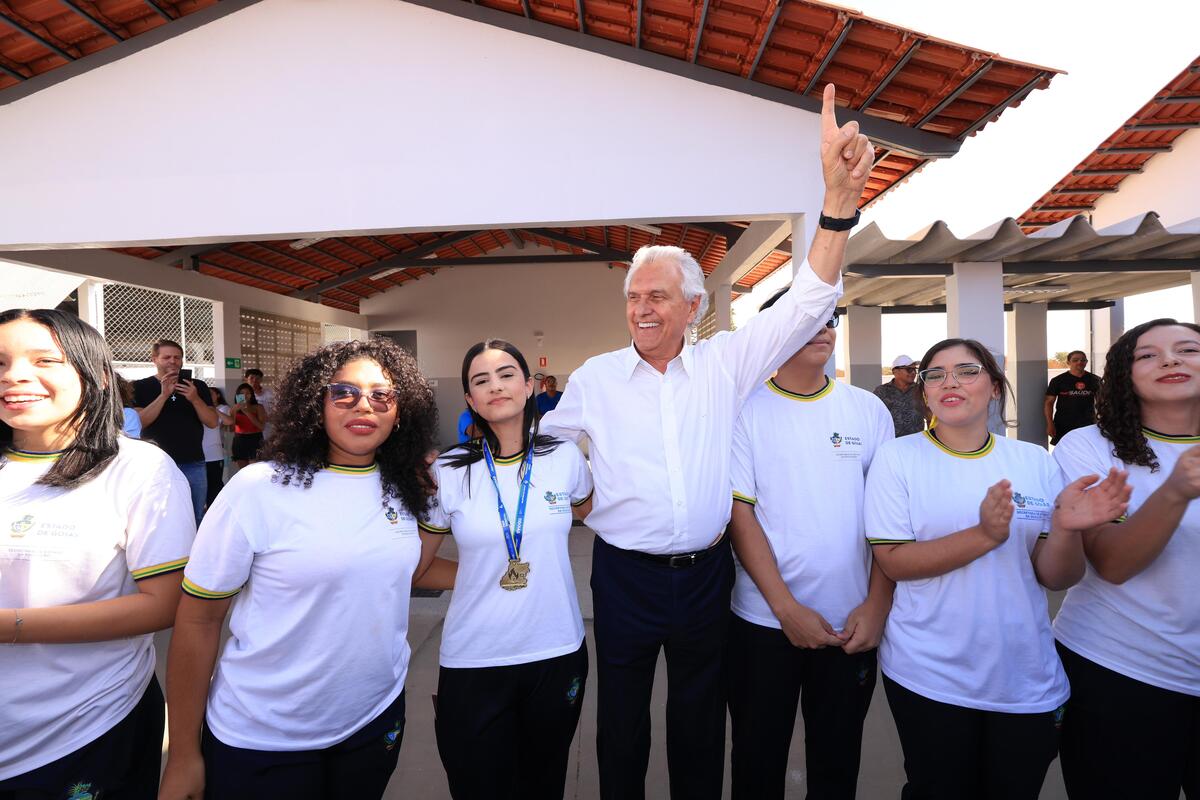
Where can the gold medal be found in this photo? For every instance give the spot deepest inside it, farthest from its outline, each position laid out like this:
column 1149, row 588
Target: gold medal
column 516, row 576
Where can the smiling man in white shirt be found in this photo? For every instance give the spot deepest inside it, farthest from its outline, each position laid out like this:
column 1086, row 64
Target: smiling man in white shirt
column 659, row 415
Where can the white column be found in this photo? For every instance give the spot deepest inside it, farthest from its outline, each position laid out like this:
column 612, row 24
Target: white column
column 1195, row 296
column 1105, row 326
column 1026, row 370
column 861, row 332
column 975, row 310
column 91, row 303
column 975, row 304
column 723, row 306
column 227, row 343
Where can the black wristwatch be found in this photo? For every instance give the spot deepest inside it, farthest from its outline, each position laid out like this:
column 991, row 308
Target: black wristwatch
column 835, row 224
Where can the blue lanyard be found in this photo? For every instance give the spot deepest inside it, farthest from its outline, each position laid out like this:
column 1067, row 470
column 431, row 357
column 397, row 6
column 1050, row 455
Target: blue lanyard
column 512, row 536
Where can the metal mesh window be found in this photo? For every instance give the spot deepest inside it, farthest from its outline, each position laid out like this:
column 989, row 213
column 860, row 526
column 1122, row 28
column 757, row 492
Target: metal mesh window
column 271, row 342
column 133, row 319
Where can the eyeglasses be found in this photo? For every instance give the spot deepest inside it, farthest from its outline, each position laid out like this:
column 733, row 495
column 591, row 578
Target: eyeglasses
column 904, row 369
column 347, row 395
column 833, row 321
column 964, row 374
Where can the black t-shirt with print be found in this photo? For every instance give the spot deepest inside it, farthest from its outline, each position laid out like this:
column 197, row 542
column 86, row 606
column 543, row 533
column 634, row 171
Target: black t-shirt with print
column 1075, row 403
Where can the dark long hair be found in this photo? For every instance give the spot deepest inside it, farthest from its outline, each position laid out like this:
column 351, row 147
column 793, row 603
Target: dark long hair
column 299, row 445
column 464, row 454
column 1118, row 408
column 98, row 419
column 986, row 360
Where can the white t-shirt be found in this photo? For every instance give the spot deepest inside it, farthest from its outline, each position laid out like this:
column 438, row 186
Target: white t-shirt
column 1147, row 628
column 801, row 461
column 66, row 546
column 322, row 577
column 978, row 636
column 214, row 450
column 486, row 625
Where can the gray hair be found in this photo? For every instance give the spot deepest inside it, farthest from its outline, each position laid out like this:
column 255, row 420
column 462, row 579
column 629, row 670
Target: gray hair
column 691, row 277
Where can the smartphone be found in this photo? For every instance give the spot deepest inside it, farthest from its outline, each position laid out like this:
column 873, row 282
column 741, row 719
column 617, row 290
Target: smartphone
column 185, row 374
column 240, row 398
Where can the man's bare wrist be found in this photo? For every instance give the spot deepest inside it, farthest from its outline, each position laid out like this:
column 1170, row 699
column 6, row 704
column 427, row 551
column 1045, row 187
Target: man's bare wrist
column 839, row 206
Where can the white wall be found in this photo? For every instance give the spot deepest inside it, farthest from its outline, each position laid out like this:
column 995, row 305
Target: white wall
column 293, row 117
column 1168, row 186
column 577, row 307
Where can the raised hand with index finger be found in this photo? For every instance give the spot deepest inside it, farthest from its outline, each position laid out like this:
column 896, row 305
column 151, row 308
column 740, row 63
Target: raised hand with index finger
column 846, row 157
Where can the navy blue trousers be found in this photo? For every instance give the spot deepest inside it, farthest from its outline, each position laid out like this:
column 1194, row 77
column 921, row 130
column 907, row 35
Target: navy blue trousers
column 640, row 608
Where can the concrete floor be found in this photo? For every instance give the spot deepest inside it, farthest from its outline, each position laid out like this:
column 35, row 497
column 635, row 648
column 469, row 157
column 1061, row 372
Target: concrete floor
column 420, row 775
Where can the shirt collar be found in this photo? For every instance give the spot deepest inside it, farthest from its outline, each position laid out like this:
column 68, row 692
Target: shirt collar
column 631, row 359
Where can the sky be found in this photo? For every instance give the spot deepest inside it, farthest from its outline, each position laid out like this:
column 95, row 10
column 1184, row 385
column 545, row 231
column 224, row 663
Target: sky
column 1116, row 55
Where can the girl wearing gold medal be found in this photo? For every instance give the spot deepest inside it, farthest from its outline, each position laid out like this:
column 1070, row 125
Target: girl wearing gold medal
column 513, row 659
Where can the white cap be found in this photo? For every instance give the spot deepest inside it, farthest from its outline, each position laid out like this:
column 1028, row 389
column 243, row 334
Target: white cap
column 902, row 361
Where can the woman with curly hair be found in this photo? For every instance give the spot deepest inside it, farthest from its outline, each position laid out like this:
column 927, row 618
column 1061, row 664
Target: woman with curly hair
column 968, row 657
column 1129, row 632
column 315, row 548
column 97, row 528
column 513, row 659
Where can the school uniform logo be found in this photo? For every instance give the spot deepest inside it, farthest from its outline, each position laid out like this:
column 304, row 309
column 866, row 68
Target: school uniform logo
column 82, row 791
column 836, row 439
column 846, row 445
column 559, row 502
column 21, row 526
column 392, row 515
column 1029, row 507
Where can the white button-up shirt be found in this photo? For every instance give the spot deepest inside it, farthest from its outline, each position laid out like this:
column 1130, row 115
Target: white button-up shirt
column 661, row 442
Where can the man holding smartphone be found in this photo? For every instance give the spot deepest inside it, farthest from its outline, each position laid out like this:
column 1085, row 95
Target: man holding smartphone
column 175, row 410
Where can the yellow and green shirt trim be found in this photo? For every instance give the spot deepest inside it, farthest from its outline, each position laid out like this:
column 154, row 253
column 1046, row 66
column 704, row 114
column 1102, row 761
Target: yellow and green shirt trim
column 871, row 540
column 341, row 469
column 508, row 461
column 430, row 528
column 578, row 503
column 13, row 454
column 1166, row 437
column 980, row 453
column 804, row 398
column 159, row 569
column 744, row 498
column 196, row 590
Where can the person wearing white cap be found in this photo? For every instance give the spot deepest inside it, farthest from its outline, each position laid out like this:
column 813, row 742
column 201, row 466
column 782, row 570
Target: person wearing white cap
column 902, row 398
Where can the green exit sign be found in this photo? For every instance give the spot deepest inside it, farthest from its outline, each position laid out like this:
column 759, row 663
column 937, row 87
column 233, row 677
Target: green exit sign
column 233, row 363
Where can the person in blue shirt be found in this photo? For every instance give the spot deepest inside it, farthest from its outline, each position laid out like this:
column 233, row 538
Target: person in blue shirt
column 548, row 399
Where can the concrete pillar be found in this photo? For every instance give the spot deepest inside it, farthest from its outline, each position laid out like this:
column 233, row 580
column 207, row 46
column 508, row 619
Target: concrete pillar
column 91, row 304
column 1026, row 370
column 975, row 310
column 1196, row 295
column 723, row 306
column 975, row 304
column 1105, row 326
column 227, row 343
column 861, row 332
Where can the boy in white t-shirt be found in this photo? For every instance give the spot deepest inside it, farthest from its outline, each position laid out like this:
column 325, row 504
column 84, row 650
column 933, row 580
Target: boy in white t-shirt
column 95, row 531
column 808, row 607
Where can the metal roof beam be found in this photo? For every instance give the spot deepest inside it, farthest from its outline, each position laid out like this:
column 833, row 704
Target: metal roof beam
column 187, row 251
column 892, row 73
column 935, row 270
column 611, row 253
column 134, row 44
column 92, row 19
column 997, row 109
column 1052, row 209
column 579, row 13
column 957, row 93
column 43, row 41
column 1135, row 150
column 1084, row 190
column 162, row 12
column 1179, row 125
column 638, row 32
column 762, row 46
column 1178, row 99
column 267, row 265
column 922, row 144
column 515, row 236
column 10, row 72
column 940, row 308
column 700, row 31
column 837, row 43
column 491, row 261
column 400, row 261
column 1108, row 171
